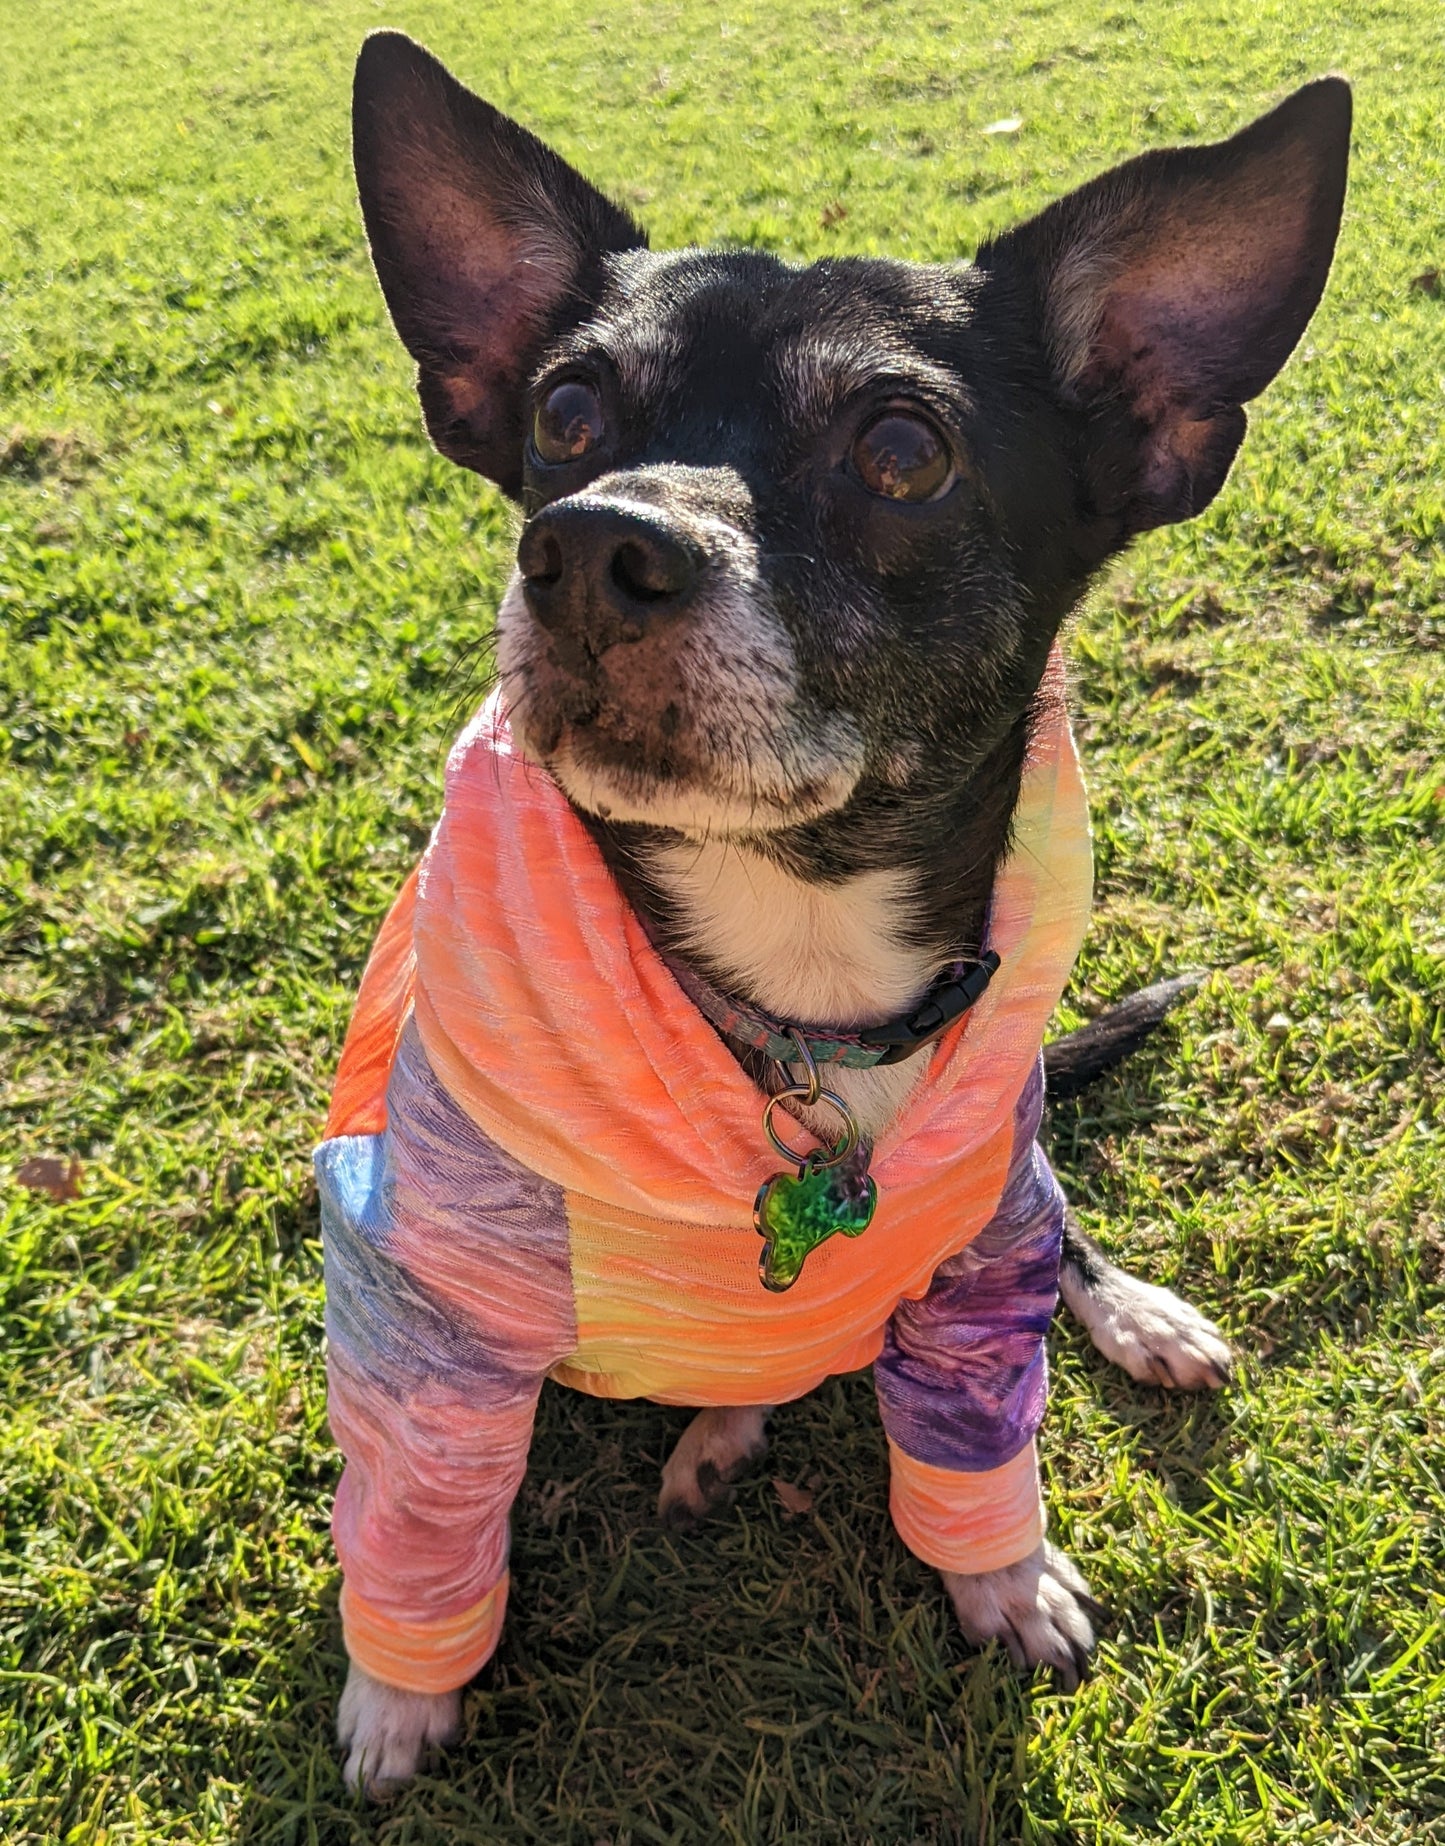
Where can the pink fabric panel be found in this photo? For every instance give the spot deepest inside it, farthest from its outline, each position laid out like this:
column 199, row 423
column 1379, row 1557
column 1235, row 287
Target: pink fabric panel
column 421, row 1515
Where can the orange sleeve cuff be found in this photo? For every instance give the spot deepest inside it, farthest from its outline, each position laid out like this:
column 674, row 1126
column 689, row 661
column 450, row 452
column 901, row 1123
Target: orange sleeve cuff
column 435, row 1656
column 967, row 1522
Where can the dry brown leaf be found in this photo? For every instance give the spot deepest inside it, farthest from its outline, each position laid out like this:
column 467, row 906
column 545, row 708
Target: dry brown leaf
column 832, row 214
column 45, row 1173
column 1428, row 282
column 794, row 1500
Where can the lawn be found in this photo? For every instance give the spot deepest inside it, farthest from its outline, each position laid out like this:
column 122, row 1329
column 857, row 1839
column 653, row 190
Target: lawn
column 245, row 608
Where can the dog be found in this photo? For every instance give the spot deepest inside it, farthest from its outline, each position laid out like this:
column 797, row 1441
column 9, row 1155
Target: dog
column 775, row 808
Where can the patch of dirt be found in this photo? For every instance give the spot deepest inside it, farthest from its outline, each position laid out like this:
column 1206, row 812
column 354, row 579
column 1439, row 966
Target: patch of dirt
column 35, row 454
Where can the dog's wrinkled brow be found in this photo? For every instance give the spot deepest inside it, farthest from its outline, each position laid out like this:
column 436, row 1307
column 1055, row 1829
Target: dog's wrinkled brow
column 647, row 359
column 815, row 376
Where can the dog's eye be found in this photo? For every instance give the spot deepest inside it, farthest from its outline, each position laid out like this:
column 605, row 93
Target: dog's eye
column 568, row 422
column 902, row 457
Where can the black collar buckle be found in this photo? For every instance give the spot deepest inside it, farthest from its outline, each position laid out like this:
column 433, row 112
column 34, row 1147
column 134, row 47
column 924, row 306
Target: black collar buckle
column 948, row 1002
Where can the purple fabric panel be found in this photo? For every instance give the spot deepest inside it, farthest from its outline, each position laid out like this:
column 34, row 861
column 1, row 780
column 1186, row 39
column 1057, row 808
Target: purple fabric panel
column 377, row 1316
column 446, row 1259
column 1029, row 1110
column 962, row 1377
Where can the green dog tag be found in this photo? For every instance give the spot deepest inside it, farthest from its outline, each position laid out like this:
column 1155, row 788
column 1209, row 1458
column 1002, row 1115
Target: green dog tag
column 795, row 1213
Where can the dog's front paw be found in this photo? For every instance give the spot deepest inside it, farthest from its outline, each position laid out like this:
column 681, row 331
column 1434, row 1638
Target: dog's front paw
column 386, row 1732
column 1156, row 1337
column 711, row 1452
column 1039, row 1608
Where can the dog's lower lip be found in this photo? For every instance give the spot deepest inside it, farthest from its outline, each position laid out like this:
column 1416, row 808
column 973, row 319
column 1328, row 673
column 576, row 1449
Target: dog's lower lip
column 657, row 793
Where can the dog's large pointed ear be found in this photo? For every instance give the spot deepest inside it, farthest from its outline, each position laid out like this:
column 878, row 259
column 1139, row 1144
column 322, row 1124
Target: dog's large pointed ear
column 1169, row 292
column 486, row 245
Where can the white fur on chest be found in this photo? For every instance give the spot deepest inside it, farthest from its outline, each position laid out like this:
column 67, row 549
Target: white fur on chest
column 824, row 954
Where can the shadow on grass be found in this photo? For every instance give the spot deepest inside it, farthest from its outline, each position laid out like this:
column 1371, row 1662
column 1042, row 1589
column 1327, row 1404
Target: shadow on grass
column 765, row 1678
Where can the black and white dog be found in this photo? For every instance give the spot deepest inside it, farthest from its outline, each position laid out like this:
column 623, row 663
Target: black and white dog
column 796, row 544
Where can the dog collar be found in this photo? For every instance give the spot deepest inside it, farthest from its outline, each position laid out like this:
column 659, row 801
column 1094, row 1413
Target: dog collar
column 831, row 1190
column 960, row 985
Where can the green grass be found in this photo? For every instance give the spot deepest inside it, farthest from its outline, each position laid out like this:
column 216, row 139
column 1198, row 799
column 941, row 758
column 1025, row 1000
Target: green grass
column 242, row 604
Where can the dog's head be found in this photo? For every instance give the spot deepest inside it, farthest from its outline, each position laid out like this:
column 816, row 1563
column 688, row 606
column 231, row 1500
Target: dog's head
column 797, row 541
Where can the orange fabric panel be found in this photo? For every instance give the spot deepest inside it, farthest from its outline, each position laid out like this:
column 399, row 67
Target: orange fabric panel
column 967, row 1522
column 554, row 1024
column 423, row 1656
column 675, row 1311
column 358, row 1103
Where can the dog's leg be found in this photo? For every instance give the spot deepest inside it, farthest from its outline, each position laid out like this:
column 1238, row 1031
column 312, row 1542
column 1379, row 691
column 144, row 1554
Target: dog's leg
column 431, row 1403
column 1040, row 1608
column 1155, row 1336
column 711, row 1452
column 386, row 1732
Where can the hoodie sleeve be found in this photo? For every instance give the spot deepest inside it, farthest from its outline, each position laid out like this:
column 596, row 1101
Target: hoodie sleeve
column 448, row 1299
column 962, row 1381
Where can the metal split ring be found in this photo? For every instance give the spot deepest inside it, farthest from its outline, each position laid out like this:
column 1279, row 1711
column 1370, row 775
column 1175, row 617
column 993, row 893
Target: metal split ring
column 814, row 1085
column 808, row 1094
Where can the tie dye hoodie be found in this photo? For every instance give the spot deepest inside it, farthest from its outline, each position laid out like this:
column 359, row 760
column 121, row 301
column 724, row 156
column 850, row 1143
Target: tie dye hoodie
column 541, row 1162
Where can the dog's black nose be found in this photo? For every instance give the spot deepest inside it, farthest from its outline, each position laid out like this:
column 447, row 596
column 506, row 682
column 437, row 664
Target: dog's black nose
column 605, row 572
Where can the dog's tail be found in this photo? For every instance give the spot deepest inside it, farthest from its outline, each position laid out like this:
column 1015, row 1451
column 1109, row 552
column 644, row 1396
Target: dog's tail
column 1071, row 1063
